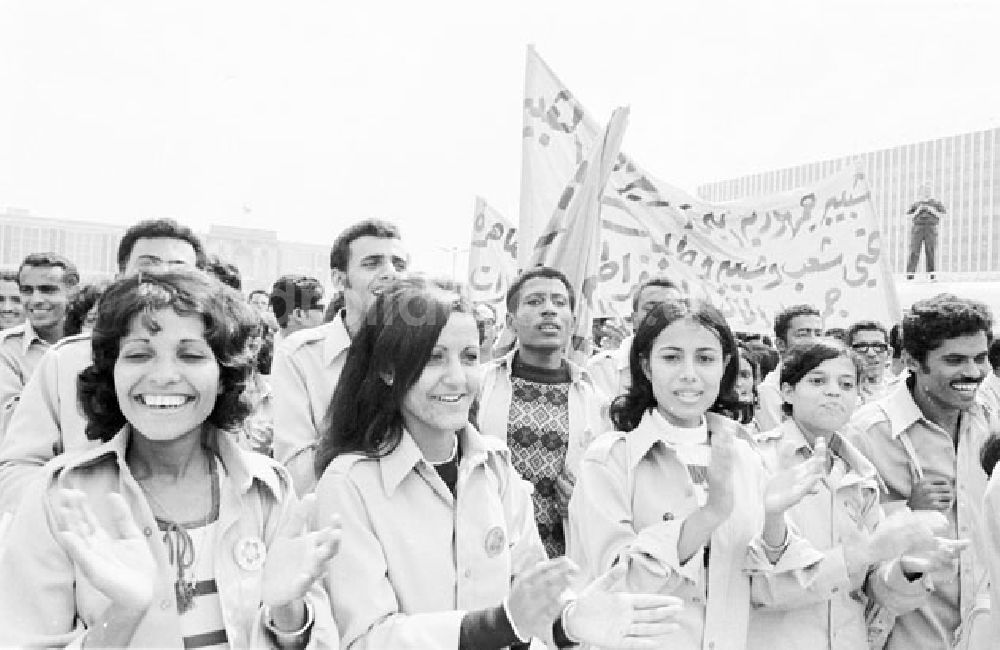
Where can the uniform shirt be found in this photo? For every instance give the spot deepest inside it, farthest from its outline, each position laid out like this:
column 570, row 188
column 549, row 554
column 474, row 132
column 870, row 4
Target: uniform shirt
column 414, row 557
column 304, row 375
column 769, row 414
column 20, row 351
column 878, row 432
column 631, row 500
column 991, row 539
column 989, row 392
column 44, row 595
column 47, row 420
column 873, row 392
column 610, row 369
column 824, row 606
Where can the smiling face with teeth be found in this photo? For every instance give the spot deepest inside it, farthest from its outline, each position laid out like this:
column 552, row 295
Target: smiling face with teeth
column 166, row 375
column 952, row 372
column 438, row 403
column 685, row 367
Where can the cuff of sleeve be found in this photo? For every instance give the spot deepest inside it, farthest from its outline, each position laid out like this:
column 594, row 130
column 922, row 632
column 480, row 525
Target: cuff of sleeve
column 506, row 611
column 799, row 554
column 659, row 542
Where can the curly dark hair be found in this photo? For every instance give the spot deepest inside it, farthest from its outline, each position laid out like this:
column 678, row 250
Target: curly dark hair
column 230, row 325
column 802, row 359
column 80, row 305
column 784, row 319
column 930, row 322
column 989, row 453
column 396, row 339
column 158, row 229
column 627, row 410
column 340, row 253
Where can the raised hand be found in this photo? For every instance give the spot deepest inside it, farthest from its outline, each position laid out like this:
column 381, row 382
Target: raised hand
column 535, row 599
column 621, row 620
column 788, row 487
column 119, row 565
column 297, row 557
column 720, row 475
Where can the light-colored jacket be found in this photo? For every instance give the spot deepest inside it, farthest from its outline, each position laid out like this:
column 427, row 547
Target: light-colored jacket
column 413, row 558
column 43, row 594
column 47, row 420
column 304, row 375
column 588, row 408
column 610, row 369
column 631, row 500
column 880, row 430
column 20, row 351
column 769, row 401
column 991, row 539
column 825, row 603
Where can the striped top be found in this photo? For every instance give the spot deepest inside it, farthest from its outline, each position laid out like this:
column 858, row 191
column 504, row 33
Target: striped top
column 202, row 624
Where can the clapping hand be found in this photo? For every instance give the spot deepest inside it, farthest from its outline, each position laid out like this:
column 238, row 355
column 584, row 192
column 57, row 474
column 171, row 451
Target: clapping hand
column 790, row 486
column 296, row 559
column 119, row 564
column 535, row 599
column 621, row 620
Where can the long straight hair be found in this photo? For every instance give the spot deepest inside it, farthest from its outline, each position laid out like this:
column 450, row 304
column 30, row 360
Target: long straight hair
column 386, row 358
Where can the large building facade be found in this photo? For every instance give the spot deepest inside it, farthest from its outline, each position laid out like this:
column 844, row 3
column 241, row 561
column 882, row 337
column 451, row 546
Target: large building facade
column 93, row 247
column 963, row 172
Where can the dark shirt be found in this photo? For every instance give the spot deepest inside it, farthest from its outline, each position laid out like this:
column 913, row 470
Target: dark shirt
column 926, row 213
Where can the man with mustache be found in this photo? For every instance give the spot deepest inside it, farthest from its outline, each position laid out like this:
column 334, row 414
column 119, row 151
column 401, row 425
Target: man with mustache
column 546, row 408
column 307, row 364
column 924, row 438
column 46, row 282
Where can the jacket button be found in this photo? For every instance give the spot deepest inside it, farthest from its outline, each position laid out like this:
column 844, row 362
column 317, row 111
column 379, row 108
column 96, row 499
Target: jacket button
column 668, row 516
column 468, row 573
column 147, row 531
column 165, row 604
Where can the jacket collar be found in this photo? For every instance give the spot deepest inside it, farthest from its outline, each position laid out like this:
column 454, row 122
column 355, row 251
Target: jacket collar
column 790, row 433
column 394, row 467
column 900, row 409
column 576, row 373
column 30, row 335
column 242, row 467
column 650, row 433
column 337, row 339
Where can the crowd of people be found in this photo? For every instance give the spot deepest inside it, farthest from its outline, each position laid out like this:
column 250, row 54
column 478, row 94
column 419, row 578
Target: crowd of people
column 394, row 466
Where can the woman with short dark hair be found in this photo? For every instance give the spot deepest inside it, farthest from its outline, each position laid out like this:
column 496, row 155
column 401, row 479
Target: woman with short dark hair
column 167, row 534
column 859, row 581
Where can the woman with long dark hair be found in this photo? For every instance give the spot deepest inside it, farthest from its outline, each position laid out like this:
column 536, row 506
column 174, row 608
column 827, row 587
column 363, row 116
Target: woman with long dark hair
column 166, row 534
column 677, row 498
column 439, row 535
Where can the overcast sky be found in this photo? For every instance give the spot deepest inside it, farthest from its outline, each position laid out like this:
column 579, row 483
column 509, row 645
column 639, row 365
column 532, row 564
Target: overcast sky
column 302, row 117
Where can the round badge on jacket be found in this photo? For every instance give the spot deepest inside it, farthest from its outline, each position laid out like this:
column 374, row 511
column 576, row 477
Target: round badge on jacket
column 494, row 541
column 250, row 553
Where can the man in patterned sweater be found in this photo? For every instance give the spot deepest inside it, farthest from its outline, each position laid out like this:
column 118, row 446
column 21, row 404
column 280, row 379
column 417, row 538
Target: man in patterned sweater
column 545, row 407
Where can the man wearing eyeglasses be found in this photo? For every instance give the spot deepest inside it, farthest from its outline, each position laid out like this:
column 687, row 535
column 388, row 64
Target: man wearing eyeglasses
column 870, row 340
